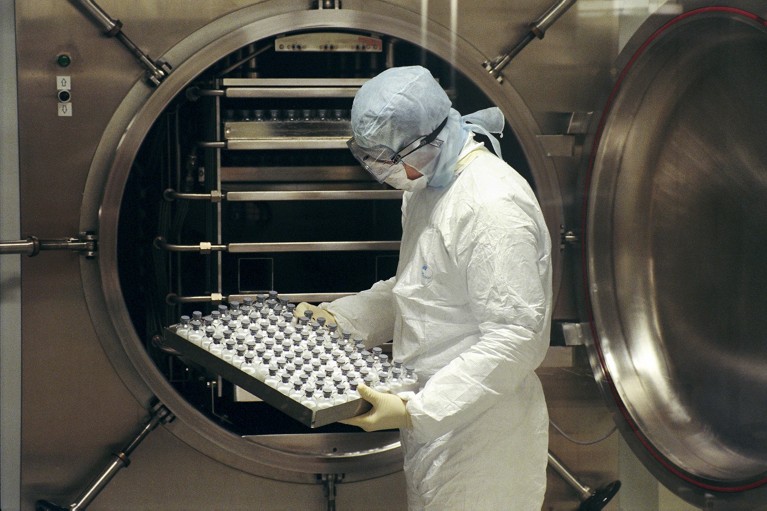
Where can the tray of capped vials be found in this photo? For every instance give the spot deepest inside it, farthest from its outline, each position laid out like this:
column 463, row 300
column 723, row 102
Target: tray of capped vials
column 302, row 367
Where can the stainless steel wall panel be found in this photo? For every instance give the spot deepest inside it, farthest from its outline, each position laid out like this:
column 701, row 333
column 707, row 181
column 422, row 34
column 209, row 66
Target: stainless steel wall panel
column 10, row 270
column 148, row 484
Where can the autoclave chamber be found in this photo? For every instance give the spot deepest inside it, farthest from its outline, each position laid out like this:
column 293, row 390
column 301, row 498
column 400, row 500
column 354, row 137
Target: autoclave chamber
column 233, row 178
column 671, row 231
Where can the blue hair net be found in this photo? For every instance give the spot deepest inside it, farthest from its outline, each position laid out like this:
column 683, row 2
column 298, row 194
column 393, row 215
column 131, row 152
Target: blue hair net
column 402, row 104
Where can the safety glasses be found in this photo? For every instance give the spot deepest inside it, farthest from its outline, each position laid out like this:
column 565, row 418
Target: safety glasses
column 381, row 161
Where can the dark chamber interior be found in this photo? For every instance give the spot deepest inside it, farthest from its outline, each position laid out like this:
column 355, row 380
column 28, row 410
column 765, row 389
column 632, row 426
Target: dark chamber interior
column 172, row 157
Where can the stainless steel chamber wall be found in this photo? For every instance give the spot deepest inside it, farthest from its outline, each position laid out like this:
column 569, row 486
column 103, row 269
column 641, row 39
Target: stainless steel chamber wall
column 176, row 175
column 231, row 176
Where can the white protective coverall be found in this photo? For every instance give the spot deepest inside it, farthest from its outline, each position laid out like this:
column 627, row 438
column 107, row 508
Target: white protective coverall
column 470, row 309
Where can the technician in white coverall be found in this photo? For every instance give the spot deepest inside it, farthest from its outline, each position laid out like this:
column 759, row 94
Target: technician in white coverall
column 469, row 308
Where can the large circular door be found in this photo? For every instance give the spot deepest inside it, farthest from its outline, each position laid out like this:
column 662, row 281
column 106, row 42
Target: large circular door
column 676, row 235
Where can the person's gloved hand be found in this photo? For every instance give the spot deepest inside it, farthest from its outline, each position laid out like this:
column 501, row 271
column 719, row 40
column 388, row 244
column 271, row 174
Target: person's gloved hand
column 316, row 312
column 388, row 411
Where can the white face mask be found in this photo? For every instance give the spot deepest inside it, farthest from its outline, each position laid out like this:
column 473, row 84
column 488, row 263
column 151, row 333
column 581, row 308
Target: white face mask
column 399, row 180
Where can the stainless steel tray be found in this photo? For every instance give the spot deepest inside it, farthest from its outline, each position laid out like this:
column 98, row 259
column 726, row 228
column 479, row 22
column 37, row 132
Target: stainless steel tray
column 271, row 396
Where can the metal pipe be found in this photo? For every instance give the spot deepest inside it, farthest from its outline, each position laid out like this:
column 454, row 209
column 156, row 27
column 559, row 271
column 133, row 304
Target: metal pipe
column 292, row 195
column 536, row 29
column 194, row 93
column 286, row 195
column 211, row 145
column 111, row 26
column 555, row 463
column 204, row 247
column 29, row 246
column 87, row 243
column 591, row 500
column 174, row 299
column 214, row 196
column 312, row 246
column 159, row 415
column 156, row 71
column 543, row 23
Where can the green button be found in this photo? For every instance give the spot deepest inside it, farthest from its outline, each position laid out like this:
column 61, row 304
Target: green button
column 63, row 60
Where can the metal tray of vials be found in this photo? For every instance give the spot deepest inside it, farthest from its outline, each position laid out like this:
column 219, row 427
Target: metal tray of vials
column 296, row 365
column 311, row 417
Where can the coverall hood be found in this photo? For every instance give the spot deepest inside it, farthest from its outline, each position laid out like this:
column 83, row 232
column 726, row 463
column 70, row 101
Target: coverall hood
column 402, row 104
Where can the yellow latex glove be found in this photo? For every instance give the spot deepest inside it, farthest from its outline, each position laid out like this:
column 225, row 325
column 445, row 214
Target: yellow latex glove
column 388, row 411
column 316, row 312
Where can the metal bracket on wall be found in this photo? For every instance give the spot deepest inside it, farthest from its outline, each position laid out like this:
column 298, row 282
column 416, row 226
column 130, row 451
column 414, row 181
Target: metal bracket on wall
column 568, row 237
column 156, row 70
column 536, row 29
column 85, row 242
column 159, row 415
column 329, row 482
column 327, row 4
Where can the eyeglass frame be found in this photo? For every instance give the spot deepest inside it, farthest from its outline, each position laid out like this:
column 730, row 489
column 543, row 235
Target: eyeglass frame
column 397, row 158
